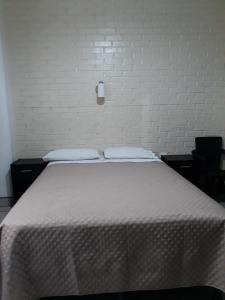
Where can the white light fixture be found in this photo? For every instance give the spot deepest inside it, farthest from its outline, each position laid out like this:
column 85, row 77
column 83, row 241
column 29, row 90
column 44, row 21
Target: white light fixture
column 100, row 89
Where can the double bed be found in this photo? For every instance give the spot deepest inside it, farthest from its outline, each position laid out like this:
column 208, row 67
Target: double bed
column 92, row 228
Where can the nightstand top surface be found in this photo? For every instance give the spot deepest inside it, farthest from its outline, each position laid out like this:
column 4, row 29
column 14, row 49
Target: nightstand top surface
column 177, row 158
column 28, row 161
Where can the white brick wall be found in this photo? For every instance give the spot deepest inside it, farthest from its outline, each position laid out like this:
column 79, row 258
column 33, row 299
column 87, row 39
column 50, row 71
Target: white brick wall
column 162, row 62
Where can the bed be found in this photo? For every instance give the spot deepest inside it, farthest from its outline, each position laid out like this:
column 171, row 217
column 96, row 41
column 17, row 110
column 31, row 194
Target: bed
column 96, row 228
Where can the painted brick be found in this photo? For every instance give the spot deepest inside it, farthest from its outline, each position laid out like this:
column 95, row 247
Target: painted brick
column 162, row 63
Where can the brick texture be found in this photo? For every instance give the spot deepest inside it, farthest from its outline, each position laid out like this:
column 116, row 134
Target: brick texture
column 162, row 62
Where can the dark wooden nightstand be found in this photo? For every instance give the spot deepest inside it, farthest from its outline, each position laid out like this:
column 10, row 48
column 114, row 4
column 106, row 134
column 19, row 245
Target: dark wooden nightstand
column 23, row 174
column 183, row 164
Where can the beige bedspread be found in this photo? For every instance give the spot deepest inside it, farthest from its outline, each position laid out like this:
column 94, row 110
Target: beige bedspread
column 111, row 227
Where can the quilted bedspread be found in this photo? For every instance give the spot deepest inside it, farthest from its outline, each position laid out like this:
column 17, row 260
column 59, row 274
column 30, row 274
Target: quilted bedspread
column 111, row 227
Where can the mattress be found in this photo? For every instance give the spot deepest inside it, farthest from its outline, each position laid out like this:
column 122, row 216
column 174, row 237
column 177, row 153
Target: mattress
column 111, row 227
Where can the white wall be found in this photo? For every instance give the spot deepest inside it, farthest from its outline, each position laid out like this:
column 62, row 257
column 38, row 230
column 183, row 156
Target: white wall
column 162, row 61
column 5, row 138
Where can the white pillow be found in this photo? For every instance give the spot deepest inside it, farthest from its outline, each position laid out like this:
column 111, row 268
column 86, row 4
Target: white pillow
column 71, row 154
column 128, row 152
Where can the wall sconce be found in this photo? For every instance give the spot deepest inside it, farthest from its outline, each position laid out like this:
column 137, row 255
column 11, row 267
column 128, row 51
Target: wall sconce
column 100, row 91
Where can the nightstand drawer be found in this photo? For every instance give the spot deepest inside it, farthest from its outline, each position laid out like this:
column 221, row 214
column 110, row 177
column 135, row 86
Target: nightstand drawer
column 183, row 164
column 27, row 172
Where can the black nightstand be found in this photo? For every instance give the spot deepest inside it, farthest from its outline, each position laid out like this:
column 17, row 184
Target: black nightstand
column 23, row 174
column 183, row 164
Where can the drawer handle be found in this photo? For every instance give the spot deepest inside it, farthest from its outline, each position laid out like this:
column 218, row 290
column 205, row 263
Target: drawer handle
column 26, row 171
column 185, row 167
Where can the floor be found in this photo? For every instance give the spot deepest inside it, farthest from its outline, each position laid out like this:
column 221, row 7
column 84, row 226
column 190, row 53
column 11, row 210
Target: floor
column 179, row 294
column 4, row 208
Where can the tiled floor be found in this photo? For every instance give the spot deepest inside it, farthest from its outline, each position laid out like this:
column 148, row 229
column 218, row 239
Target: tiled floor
column 4, row 208
column 179, row 294
column 3, row 212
